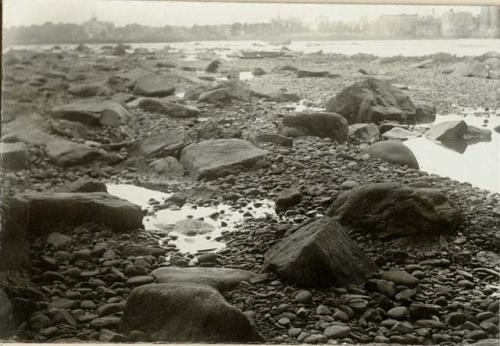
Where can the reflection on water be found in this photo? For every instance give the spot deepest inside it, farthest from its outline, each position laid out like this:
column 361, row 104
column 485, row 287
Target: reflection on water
column 223, row 217
column 478, row 164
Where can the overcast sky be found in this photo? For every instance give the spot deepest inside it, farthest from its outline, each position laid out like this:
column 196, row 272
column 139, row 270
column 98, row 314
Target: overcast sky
column 160, row 13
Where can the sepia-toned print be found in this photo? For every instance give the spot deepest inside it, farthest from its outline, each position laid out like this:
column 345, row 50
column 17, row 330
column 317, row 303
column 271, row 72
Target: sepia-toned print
column 249, row 173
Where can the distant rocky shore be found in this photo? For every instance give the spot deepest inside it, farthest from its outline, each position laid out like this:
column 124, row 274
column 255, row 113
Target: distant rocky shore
column 365, row 247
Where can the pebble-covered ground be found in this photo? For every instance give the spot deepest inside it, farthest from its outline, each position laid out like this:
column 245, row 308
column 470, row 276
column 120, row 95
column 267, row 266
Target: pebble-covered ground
column 78, row 290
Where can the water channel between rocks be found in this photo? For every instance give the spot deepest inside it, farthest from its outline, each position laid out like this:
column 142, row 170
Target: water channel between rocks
column 216, row 219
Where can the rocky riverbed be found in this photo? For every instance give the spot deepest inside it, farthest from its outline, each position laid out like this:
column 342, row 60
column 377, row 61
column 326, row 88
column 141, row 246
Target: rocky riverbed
column 277, row 191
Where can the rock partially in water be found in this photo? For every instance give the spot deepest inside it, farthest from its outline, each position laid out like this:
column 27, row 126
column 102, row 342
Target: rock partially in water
column 321, row 124
column 222, row 279
column 192, row 227
column 212, row 158
column 186, row 312
column 319, row 253
column 393, row 152
column 50, row 209
column 364, row 132
column 448, row 131
column 393, row 209
column 374, row 100
column 14, row 219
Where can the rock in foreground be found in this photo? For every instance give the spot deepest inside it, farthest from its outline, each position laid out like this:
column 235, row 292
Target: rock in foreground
column 222, row 279
column 212, row 158
column 50, row 209
column 374, row 100
column 14, row 215
column 393, row 209
column 186, row 312
column 319, row 253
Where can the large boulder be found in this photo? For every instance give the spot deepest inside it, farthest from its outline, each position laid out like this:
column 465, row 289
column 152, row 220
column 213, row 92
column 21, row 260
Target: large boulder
column 107, row 113
column 393, row 209
column 152, row 85
column 393, row 152
column 67, row 153
column 319, row 253
column 172, row 109
column 320, row 124
column 166, row 143
column 14, row 217
column 50, row 209
column 186, row 312
column 14, row 156
column 374, row 100
column 364, row 132
column 222, row 279
column 213, row 158
column 448, row 131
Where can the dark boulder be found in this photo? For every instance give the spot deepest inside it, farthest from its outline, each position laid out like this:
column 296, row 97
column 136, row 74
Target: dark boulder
column 393, row 209
column 107, row 113
column 448, row 131
column 14, row 218
column 393, row 152
column 320, row 124
column 319, row 253
column 51, row 209
column 374, row 100
column 288, row 198
column 213, row 66
column 258, row 71
column 186, row 312
column 14, row 156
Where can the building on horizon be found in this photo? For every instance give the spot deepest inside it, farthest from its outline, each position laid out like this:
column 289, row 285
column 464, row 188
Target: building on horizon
column 457, row 25
column 397, row 25
column 489, row 21
column 96, row 29
column 428, row 27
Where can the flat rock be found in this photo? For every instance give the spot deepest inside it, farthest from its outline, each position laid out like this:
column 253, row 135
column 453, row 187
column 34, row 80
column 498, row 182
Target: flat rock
column 154, row 86
column 172, row 109
column 67, row 153
column 213, row 158
column 319, row 253
column 186, row 312
column 48, row 209
column 398, row 133
column 393, row 209
column 393, row 152
column 107, row 113
column 222, row 279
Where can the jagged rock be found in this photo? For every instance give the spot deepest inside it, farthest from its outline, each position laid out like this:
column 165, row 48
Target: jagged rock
column 172, row 109
column 212, row 158
column 213, row 66
column 66, row 153
column 167, row 143
column 364, row 132
column 107, row 113
column 222, row 279
column 14, row 155
column 186, row 312
column 319, row 253
column 49, row 209
column 398, row 133
column 321, row 124
column 374, row 100
column 393, row 152
column 89, row 90
column 153, row 86
column 393, row 209
column 14, row 215
column 448, row 131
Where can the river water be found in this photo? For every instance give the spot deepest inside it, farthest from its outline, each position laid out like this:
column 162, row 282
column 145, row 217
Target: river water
column 383, row 48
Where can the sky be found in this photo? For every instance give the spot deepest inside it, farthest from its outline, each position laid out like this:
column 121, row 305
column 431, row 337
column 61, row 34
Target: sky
column 160, row 13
